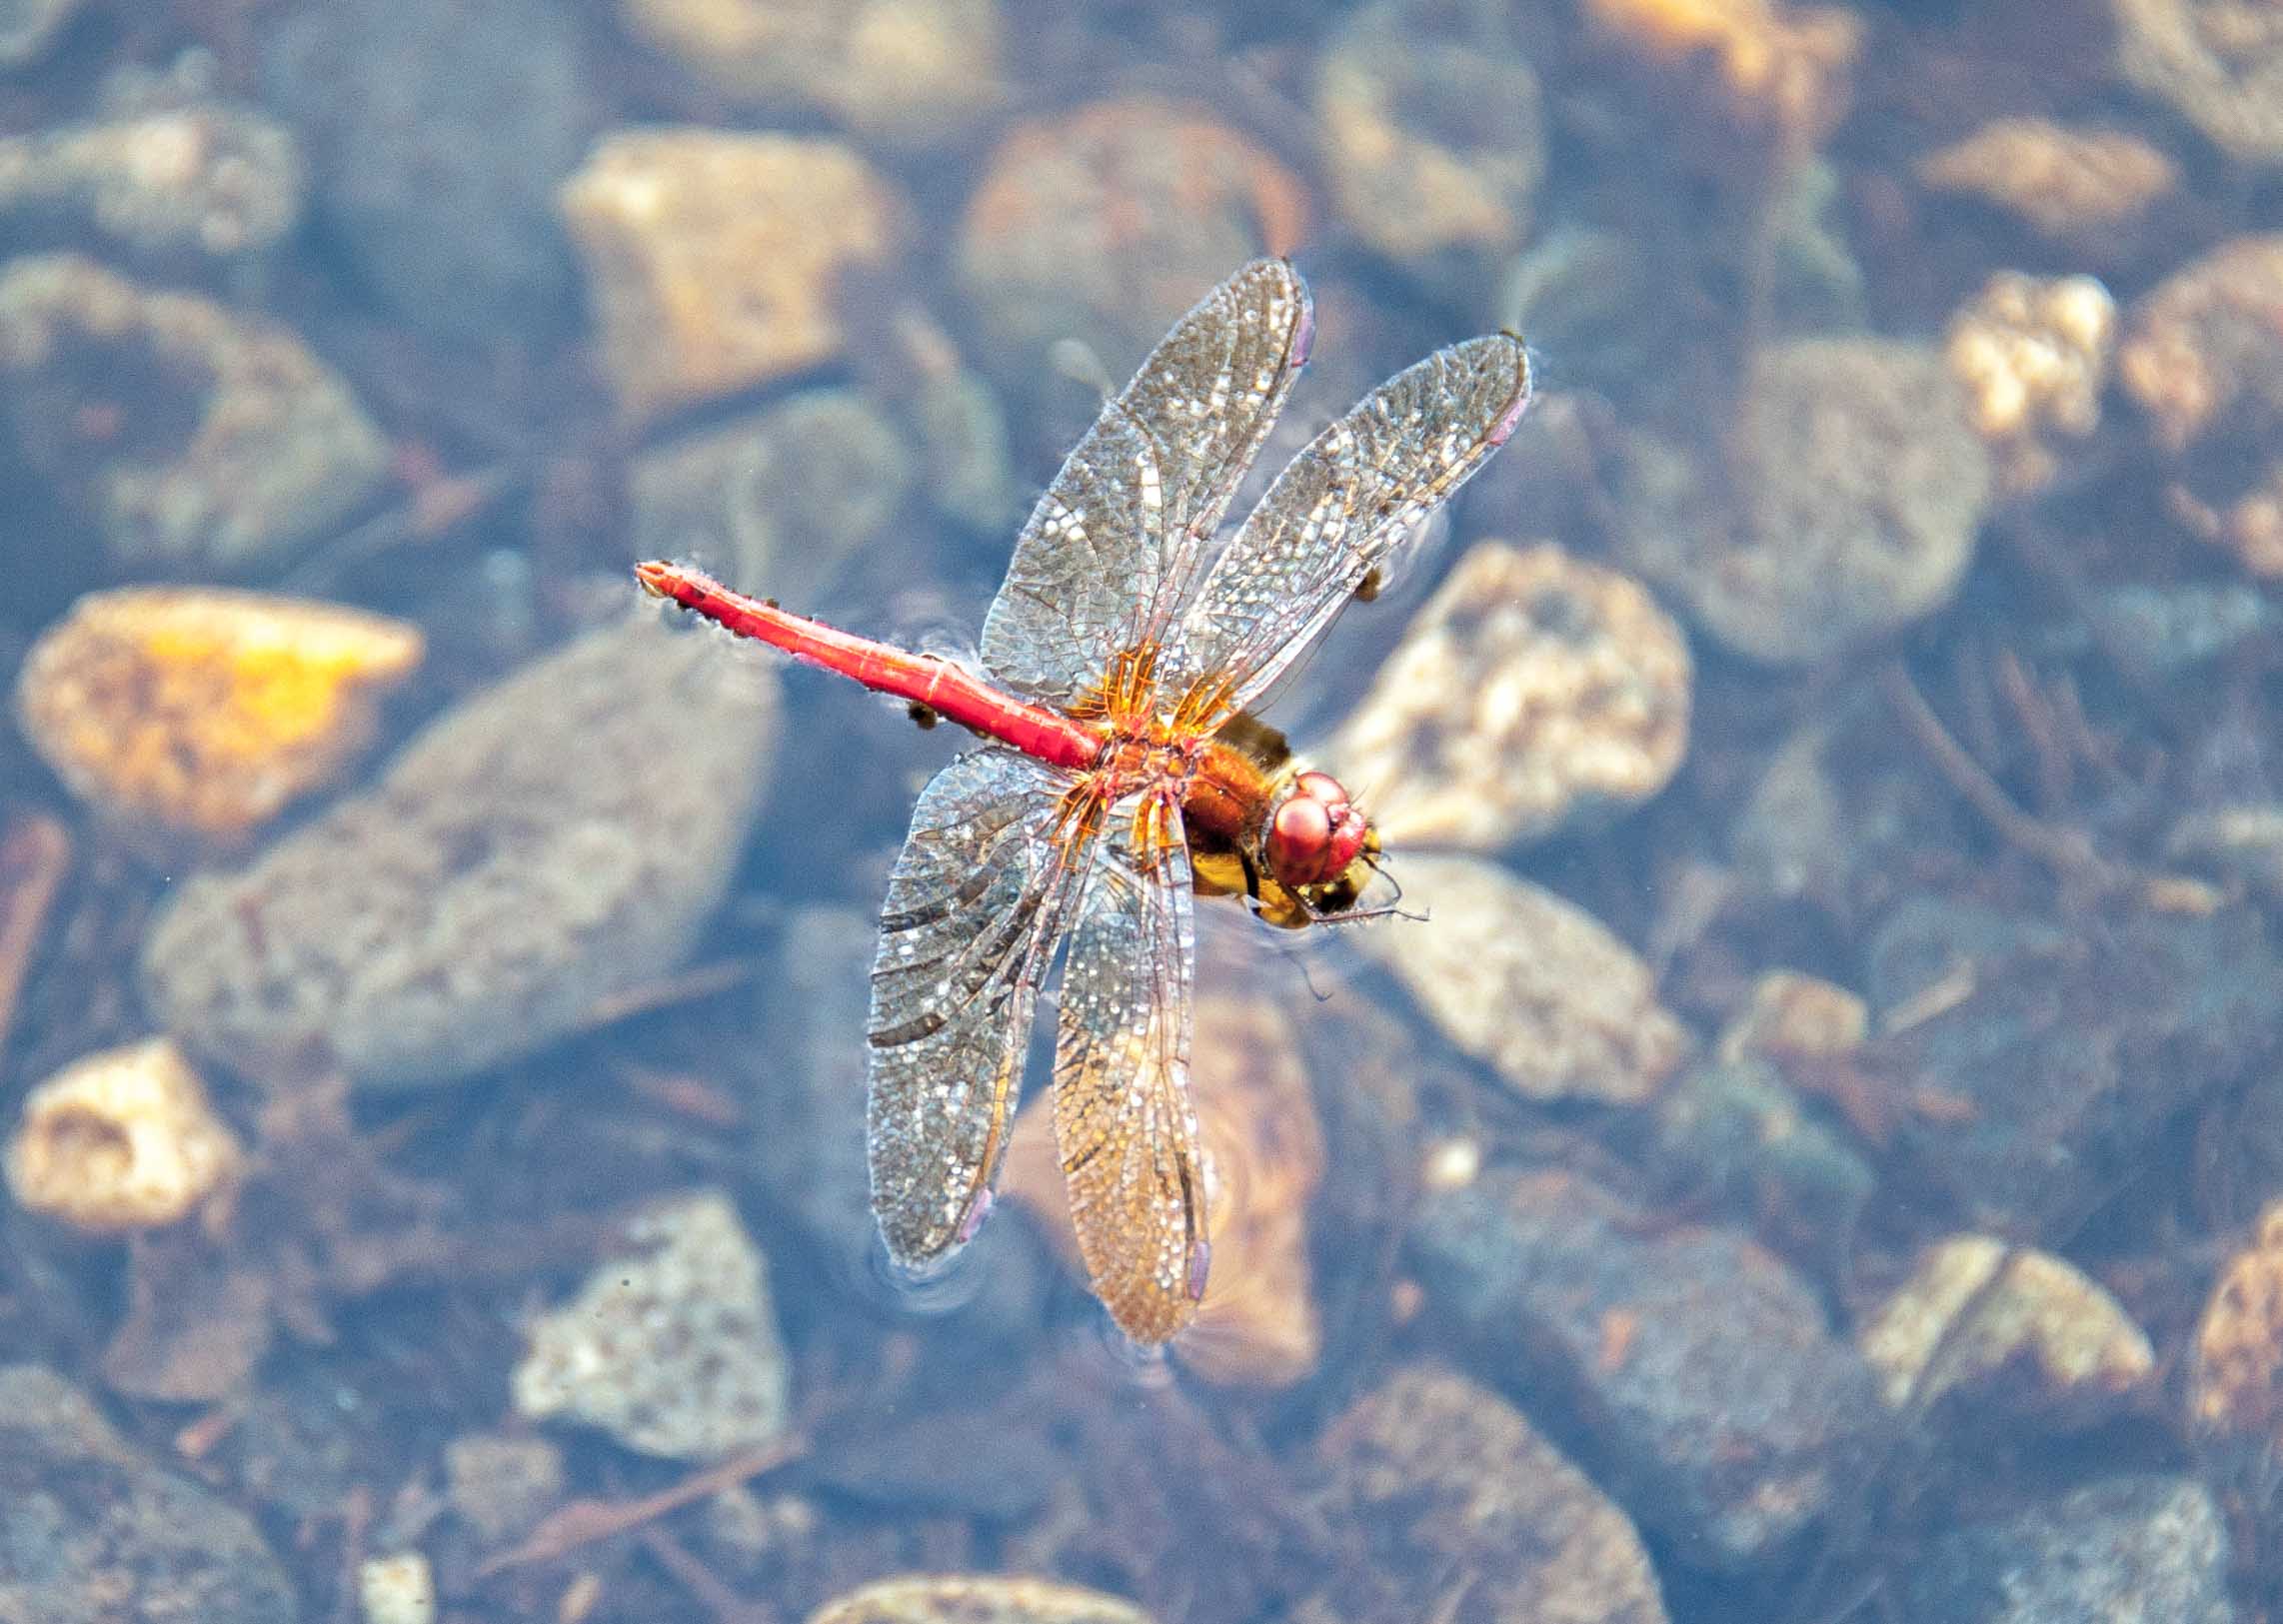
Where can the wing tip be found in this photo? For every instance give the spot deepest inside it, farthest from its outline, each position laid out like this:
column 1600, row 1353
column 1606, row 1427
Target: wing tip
column 1508, row 418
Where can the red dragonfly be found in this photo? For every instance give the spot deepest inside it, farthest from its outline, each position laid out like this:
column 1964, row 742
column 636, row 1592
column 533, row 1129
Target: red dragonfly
column 1119, row 664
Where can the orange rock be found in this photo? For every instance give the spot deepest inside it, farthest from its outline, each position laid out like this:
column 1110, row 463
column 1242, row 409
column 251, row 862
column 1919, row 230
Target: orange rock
column 1789, row 66
column 1265, row 1157
column 206, row 711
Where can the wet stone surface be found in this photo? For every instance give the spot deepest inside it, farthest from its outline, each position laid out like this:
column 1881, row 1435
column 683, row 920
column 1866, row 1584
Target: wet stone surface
column 1708, row 1393
column 438, row 186
column 189, row 435
column 1532, row 690
column 531, row 853
column 92, row 1533
column 2141, row 1547
column 980, row 1599
column 2067, row 1045
column 1859, row 490
column 1432, row 1474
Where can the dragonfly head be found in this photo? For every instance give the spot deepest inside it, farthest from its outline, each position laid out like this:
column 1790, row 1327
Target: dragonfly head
column 1316, row 834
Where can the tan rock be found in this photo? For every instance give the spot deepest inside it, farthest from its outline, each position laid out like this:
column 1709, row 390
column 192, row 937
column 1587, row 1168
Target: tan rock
column 121, row 1140
column 1788, row 65
column 2203, row 351
column 975, row 1599
column 1795, row 1016
column 1531, row 689
column 2236, row 1385
column 2044, row 1338
column 2032, row 355
column 715, row 257
column 2219, row 63
column 2067, row 183
column 206, row 711
column 1528, row 984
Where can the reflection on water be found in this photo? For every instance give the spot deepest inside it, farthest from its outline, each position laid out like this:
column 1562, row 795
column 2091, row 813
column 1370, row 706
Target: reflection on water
column 1816, row 1158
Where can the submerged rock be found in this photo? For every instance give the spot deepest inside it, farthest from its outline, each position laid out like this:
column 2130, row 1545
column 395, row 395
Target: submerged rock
column 715, row 258
column 2032, row 355
column 2218, row 63
column 2203, row 354
column 2059, row 1047
column 193, row 436
column 90, row 1530
column 1733, row 1132
column 2235, row 1388
column 436, row 179
column 2143, row 1547
column 897, row 70
column 2073, row 184
column 977, row 1599
column 1530, row 985
column 1708, row 1393
column 1532, row 690
column 121, row 1140
column 672, row 1348
column 1857, row 485
column 1433, row 141
column 1431, row 1474
column 553, row 841
column 207, row 712
column 1107, row 223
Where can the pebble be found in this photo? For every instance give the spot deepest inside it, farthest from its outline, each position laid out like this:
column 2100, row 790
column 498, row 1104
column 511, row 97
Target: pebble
column 204, row 710
column 396, row 1589
column 503, row 1483
column 1792, row 1016
column 975, row 1599
column 550, row 841
column 191, row 435
column 2032, row 355
column 2075, row 185
column 1715, row 1403
column 1782, row 65
column 2137, row 1547
column 214, row 179
column 1436, row 1476
column 671, row 1348
column 1860, row 489
column 1530, row 985
column 1107, row 223
column 1534, row 691
column 436, row 184
column 2218, row 63
column 122, row 1140
column 91, row 1530
column 2043, row 1057
column 2044, row 1341
column 1733, row 1131
column 2235, row 1384
column 2203, row 353
column 898, row 71
column 714, row 257
column 1433, row 141
column 780, row 501
column 1258, row 1325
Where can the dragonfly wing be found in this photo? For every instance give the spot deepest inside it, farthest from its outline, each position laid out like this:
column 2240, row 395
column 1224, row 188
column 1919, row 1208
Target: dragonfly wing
column 1344, row 504
column 1118, row 536
column 973, row 907
column 1123, row 1125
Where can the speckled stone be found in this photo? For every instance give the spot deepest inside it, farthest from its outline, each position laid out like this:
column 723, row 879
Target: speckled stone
column 552, row 840
column 1860, row 489
column 980, row 1599
column 2140, row 1548
column 1713, row 1401
column 192, row 437
column 1433, row 1474
column 121, row 1140
column 672, row 1348
column 92, row 1533
column 1532, row 690
column 1536, row 987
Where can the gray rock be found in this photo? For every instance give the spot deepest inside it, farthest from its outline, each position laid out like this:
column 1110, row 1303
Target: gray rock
column 217, row 441
column 2065, row 1045
column 92, row 1533
column 1732, row 1131
column 1431, row 1472
column 552, row 842
column 436, row 133
column 1708, row 1393
column 2144, row 1549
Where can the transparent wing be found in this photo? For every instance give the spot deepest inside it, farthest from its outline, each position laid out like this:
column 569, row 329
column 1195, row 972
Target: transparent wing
column 1116, row 540
column 1124, row 1124
column 1351, row 496
column 978, row 895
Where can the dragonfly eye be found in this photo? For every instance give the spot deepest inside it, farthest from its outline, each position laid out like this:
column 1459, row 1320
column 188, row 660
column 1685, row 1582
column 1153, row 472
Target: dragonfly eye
column 1315, row 832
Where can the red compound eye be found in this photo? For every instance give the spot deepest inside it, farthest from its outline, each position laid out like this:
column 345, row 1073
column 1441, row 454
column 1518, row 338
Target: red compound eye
column 1316, row 834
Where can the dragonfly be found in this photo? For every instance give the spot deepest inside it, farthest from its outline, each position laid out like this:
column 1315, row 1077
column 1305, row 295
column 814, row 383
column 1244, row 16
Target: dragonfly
column 1124, row 771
